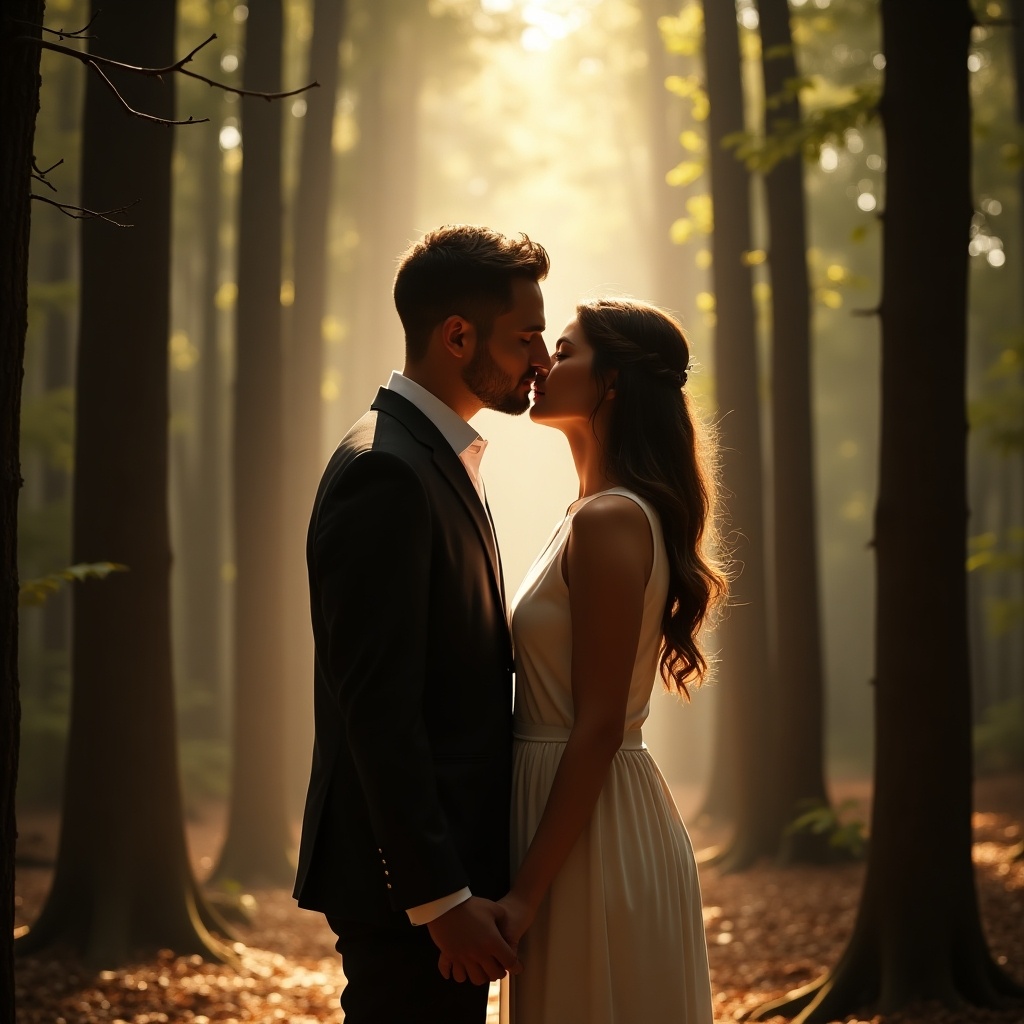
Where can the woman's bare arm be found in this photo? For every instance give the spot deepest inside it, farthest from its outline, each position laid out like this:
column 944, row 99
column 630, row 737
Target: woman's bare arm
column 609, row 558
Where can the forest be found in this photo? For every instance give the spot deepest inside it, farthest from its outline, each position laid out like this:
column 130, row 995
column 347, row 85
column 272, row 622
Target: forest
column 201, row 207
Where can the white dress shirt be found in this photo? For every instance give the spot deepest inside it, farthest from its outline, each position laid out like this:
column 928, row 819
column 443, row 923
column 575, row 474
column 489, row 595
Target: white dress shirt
column 470, row 447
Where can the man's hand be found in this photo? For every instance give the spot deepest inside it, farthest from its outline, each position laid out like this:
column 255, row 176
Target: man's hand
column 471, row 944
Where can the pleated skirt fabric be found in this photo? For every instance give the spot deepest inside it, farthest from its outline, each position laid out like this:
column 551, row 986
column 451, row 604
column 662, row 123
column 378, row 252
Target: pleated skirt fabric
column 620, row 937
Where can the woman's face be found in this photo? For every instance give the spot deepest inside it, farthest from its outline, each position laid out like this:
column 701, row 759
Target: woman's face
column 568, row 392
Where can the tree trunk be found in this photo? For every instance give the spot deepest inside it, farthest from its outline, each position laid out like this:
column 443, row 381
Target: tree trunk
column 123, row 885
column 256, row 850
column 304, row 368
column 666, row 202
column 797, row 664
column 201, row 487
column 56, row 481
column 386, row 212
column 918, row 934
column 19, row 102
column 743, row 729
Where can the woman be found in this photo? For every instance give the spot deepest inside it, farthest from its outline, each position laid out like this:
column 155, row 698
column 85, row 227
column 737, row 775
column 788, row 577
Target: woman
column 606, row 899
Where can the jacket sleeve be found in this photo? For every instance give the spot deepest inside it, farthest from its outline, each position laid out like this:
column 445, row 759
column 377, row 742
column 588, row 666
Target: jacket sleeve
column 371, row 562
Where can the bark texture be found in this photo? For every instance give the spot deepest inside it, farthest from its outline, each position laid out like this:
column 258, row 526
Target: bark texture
column 918, row 934
column 256, row 850
column 123, row 885
column 304, row 366
column 799, row 704
column 19, row 103
column 743, row 734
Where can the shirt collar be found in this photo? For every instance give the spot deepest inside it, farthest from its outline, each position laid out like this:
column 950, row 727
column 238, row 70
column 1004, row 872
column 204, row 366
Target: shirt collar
column 456, row 431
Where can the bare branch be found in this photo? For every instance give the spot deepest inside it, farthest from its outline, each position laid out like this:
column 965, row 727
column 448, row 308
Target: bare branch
column 40, row 175
column 268, row 96
column 98, row 63
column 81, row 213
column 131, row 110
column 52, row 167
column 78, row 33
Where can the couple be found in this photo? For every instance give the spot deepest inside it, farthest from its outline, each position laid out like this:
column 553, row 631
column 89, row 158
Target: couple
column 406, row 834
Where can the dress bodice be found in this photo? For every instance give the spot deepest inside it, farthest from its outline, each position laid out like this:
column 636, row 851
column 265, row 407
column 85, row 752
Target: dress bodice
column 542, row 630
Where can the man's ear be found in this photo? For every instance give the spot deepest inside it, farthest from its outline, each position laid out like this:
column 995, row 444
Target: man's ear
column 458, row 336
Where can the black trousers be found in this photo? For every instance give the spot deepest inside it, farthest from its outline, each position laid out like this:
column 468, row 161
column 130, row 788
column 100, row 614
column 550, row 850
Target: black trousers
column 393, row 978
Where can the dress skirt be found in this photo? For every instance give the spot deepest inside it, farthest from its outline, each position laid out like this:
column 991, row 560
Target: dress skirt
column 619, row 939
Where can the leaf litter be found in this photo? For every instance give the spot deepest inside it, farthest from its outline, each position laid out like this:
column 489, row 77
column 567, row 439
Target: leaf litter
column 770, row 929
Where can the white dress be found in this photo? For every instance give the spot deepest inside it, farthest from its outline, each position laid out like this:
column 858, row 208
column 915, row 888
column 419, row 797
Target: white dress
column 619, row 939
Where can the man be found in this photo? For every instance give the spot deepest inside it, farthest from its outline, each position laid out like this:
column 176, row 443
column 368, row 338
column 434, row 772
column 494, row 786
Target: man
column 405, row 833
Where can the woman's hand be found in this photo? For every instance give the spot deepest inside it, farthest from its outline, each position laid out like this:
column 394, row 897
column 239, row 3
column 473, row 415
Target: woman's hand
column 518, row 916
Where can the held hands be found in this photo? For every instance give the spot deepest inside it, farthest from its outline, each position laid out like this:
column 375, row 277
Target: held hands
column 469, row 937
column 518, row 916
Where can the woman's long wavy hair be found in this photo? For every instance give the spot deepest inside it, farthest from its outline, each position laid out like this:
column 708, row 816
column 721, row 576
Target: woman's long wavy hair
column 659, row 447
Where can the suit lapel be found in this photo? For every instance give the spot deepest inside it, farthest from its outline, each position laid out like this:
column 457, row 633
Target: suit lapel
column 451, row 468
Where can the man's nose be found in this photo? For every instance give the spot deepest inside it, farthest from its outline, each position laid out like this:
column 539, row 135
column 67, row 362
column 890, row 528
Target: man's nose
column 539, row 357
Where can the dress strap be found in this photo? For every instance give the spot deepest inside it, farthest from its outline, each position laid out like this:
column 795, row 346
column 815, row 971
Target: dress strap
column 632, row 739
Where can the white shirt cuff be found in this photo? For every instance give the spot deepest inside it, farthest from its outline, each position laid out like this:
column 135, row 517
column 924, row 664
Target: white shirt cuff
column 427, row 912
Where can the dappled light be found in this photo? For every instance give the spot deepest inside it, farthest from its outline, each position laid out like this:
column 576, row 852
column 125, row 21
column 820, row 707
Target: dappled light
column 204, row 307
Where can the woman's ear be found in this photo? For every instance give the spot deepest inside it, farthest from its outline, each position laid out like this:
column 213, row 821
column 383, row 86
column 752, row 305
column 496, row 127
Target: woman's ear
column 609, row 391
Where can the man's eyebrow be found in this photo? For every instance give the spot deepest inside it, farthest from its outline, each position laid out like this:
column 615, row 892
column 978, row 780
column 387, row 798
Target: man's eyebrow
column 536, row 328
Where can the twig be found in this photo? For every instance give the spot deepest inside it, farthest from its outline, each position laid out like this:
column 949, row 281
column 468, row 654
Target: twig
column 40, row 175
column 59, row 32
column 52, row 167
column 128, row 109
column 81, row 213
column 97, row 63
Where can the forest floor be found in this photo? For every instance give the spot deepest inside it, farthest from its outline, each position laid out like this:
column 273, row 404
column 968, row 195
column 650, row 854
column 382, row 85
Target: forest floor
column 770, row 929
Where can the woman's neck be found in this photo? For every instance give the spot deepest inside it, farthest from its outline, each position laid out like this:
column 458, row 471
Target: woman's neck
column 588, row 456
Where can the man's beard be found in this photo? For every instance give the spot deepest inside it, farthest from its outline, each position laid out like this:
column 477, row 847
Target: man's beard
column 495, row 388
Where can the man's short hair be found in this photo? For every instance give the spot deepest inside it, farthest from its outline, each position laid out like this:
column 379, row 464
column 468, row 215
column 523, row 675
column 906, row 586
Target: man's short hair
column 461, row 270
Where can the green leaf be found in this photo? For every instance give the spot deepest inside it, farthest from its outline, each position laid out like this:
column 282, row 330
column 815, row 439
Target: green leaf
column 36, row 591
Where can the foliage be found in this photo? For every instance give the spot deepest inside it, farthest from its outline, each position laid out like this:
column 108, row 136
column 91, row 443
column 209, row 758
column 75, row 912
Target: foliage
column 998, row 415
column 807, row 135
column 1000, row 553
column 821, row 819
column 36, row 591
column 999, row 738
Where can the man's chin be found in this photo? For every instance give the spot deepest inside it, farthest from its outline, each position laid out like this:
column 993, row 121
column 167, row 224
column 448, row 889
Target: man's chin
column 513, row 406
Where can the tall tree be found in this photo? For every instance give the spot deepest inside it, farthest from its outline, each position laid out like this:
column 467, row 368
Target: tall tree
column 304, row 366
column 391, row 60
column 201, row 456
column 663, row 127
column 19, row 102
column 256, row 850
column 123, row 882
column 918, row 934
column 743, row 734
column 799, row 704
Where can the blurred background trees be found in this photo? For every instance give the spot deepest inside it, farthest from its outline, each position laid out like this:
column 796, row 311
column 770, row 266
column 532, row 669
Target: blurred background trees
column 585, row 124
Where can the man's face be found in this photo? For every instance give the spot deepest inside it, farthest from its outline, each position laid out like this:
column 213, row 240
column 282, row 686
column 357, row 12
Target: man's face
column 503, row 368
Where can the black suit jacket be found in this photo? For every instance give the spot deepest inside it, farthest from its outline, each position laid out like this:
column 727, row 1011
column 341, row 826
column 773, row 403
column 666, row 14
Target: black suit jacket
column 409, row 792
